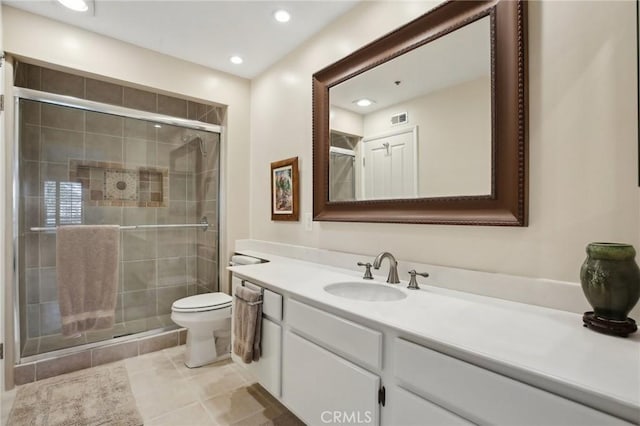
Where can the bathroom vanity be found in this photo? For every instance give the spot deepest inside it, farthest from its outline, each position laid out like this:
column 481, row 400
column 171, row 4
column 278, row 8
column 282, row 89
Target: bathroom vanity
column 431, row 356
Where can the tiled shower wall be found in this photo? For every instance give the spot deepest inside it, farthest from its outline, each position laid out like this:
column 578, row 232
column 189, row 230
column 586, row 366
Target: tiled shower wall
column 52, row 81
column 157, row 266
column 342, row 179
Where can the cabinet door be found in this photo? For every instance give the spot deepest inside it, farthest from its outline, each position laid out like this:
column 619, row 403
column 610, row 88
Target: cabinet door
column 267, row 368
column 408, row 409
column 323, row 389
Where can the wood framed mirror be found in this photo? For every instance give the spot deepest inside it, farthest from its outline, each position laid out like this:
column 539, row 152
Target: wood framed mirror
column 441, row 136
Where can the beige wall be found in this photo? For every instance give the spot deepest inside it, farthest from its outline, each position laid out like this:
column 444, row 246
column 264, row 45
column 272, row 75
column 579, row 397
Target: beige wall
column 583, row 144
column 59, row 45
column 454, row 137
column 345, row 121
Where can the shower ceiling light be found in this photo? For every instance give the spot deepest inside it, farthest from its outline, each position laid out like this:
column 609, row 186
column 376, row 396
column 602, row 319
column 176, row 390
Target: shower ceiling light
column 282, row 16
column 236, row 60
column 364, row 102
column 75, row 5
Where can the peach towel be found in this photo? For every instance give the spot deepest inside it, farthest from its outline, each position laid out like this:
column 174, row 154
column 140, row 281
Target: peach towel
column 87, row 276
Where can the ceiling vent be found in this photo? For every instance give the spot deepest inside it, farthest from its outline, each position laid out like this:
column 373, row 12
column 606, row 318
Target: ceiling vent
column 400, row 118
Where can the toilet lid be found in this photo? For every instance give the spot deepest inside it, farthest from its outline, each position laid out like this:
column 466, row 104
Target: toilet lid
column 202, row 302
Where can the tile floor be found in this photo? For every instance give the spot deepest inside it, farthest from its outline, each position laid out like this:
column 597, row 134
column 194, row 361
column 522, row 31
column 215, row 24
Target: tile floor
column 170, row 394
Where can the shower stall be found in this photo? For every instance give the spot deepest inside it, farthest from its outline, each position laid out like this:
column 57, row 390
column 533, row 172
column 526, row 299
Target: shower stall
column 342, row 166
column 342, row 174
column 82, row 162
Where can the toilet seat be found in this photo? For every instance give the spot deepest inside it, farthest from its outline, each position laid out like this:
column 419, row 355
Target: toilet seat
column 202, row 302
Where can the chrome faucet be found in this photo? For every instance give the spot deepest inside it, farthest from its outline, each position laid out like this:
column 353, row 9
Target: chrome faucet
column 413, row 282
column 367, row 272
column 393, row 266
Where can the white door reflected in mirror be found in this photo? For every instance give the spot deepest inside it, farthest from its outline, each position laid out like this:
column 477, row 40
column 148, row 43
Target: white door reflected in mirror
column 442, row 88
column 390, row 166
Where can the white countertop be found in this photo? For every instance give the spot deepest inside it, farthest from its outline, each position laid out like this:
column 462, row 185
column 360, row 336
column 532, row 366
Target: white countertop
column 544, row 347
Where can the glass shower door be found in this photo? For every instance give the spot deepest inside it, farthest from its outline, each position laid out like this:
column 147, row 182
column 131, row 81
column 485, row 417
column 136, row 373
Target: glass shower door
column 78, row 166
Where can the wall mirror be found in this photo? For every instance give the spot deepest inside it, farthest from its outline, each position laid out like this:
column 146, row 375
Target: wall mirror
column 428, row 123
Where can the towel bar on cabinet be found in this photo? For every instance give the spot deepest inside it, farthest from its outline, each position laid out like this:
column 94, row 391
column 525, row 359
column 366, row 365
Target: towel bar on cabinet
column 259, row 302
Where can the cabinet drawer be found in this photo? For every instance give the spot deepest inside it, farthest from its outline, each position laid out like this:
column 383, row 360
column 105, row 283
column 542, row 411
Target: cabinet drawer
column 483, row 396
column 272, row 307
column 271, row 302
column 408, row 409
column 346, row 337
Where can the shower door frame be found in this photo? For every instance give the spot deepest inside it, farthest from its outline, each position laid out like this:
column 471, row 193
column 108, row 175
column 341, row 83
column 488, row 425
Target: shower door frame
column 20, row 93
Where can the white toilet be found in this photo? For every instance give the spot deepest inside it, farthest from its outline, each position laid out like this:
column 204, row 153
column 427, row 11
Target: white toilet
column 205, row 316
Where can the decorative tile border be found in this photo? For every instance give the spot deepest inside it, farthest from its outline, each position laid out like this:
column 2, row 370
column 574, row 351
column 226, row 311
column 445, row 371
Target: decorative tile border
column 110, row 184
column 120, row 185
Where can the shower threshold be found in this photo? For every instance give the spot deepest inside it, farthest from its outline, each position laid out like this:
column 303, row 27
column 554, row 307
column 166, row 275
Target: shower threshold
column 56, row 345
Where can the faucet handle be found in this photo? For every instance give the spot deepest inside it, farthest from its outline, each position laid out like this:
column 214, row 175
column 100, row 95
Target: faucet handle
column 413, row 282
column 367, row 272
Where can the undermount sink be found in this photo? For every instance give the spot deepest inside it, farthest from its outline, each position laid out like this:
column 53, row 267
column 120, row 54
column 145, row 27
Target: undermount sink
column 368, row 292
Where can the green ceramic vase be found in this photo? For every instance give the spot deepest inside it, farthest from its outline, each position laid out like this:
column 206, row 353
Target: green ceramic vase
column 610, row 279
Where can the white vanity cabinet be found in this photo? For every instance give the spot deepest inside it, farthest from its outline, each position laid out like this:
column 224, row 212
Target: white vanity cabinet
column 351, row 367
column 480, row 395
column 267, row 370
column 321, row 381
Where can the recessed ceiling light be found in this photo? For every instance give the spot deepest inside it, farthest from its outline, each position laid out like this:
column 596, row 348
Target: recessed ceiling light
column 364, row 102
column 282, row 16
column 76, row 5
column 157, row 126
column 236, row 60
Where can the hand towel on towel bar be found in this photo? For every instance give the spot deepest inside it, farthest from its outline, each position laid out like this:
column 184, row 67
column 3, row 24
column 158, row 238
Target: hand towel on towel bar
column 87, row 276
column 247, row 322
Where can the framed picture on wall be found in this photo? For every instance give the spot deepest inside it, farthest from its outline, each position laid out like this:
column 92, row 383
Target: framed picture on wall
column 285, row 190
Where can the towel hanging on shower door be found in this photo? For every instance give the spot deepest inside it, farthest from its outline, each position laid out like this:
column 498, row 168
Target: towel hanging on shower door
column 87, row 276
